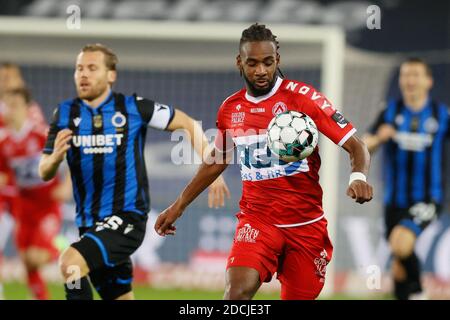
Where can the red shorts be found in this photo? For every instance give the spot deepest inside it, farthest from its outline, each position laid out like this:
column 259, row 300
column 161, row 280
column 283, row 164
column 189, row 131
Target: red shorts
column 38, row 228
column 299, row 255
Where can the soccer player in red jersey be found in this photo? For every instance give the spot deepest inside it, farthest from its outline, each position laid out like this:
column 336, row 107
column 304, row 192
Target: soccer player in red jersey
column 35, row 205
column 281, row 226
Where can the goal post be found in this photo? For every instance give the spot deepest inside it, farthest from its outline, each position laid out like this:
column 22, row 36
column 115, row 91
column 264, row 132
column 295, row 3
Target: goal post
column 189, row 46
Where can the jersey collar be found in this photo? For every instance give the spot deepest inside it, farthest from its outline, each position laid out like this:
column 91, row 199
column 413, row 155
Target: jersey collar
column 22, row 132
column 267, row 95
column 104, row 102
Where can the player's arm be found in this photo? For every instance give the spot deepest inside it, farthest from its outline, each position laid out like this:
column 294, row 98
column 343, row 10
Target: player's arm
column 208, row 172
column 333, row 124
column 384, row 133
column 49, row 163
column 63, row 192
column 358, row 188
column 379, row 133
column 218, row 188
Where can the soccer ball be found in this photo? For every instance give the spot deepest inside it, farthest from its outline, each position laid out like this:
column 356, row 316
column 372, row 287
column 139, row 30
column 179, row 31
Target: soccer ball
column 292, row 136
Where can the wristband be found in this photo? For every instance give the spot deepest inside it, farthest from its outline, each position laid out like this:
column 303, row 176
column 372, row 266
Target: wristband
column 357, row 176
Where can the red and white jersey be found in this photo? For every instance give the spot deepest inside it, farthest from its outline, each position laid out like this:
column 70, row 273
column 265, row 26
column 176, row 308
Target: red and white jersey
column 20, row 152
column 35, row 114
column 277, row 192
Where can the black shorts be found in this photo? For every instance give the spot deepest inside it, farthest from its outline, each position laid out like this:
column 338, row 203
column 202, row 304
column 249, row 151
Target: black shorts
column 416, row 218
column 107, row 248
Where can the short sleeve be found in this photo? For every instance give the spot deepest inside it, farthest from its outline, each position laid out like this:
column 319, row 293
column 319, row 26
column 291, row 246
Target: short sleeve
column 224, row 139
column 329, row 121
column 52, row 132
column 155, row 115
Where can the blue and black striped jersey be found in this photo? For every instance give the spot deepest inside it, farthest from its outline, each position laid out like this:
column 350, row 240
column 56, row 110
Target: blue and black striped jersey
column 414, row 158
column 106, row 157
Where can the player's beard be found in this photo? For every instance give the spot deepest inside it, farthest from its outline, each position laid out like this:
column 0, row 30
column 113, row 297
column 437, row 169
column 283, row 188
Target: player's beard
column 256, row 92
column 91, row 94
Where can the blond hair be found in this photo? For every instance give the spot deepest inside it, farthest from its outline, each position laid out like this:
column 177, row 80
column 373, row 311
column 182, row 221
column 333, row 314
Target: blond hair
column 111, row 59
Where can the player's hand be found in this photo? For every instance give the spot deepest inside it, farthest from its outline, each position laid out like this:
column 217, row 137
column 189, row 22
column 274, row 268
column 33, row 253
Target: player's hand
column 360, row 191
column 62, row 144
column 164, row 224
column 386, row 132
column 217, row 192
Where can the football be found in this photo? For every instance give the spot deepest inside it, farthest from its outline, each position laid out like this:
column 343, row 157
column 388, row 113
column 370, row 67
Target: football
column 292, row 135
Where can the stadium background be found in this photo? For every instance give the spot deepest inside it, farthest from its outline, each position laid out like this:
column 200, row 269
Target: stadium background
column 197, row 76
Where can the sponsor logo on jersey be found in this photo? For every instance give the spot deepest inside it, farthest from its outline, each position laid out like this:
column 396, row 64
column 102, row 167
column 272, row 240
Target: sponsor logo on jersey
column 315, row 96
column 321, row 265
column 237, row 117
column 278, row 108
column 118, row 120
column 98, row 121
column 257, row 110
column 247, row 234
column 160, row 106
column 100, row 143
column 339, row 119
column 238, row 107
column 412, row 141
column 77, row 121
column 258, row 163
column 128, row 229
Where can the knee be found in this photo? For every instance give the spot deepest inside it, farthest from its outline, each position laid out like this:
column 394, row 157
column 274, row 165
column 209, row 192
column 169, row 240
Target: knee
column 401, row 251
column 402, row 242
column 72, row 265
column 238, row 292
column 35, row 258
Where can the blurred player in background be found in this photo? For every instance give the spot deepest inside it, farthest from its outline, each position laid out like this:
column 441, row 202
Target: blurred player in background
column 102, row 135
column 413, row 130
column 11, row 79
column 35, row 206
column 281, row 227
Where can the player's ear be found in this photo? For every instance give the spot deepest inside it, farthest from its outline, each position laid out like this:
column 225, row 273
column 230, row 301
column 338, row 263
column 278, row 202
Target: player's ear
column 278, row 58
column 239, row 64
column 112, row 76
column 430, row 82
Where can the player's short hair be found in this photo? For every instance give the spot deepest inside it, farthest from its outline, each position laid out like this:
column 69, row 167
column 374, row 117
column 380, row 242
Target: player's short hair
column 421, row 61
column 258, row 32
column 23, row 92
column 111, row 59
column 9, row 65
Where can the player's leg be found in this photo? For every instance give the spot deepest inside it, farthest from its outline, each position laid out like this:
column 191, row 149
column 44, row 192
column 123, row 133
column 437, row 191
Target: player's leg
column 40, row 248
column 74, row 269
column 253, row 258
column 241, row 283
column 106, row 249
column 406, row 265
column 33, row 259
column 114, row 283
column 302, row 268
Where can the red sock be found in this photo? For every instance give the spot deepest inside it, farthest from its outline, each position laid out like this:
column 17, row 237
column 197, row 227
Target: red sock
column 37, row 286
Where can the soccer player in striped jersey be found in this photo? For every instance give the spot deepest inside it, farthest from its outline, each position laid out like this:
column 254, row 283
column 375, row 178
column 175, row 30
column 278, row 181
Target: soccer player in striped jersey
column 102, row 135
column 413, row 131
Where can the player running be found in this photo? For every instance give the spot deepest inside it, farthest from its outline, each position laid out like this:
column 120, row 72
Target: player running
column 34, row 204
column 102, row 135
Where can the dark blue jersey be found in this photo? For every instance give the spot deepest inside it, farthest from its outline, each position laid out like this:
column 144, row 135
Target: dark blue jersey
column 106, row 157
column 414, row 158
